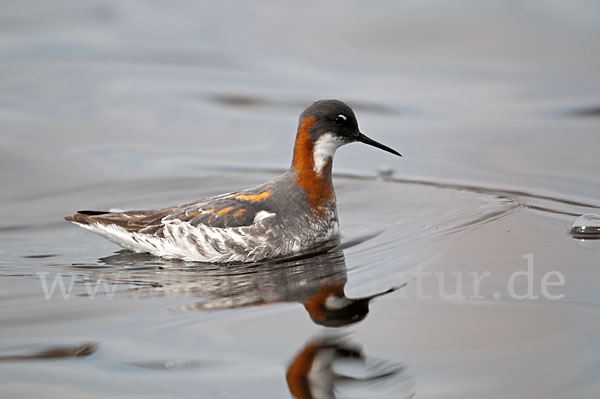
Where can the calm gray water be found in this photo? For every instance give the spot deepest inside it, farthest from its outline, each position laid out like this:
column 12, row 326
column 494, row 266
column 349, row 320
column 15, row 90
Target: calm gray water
column 494, row 105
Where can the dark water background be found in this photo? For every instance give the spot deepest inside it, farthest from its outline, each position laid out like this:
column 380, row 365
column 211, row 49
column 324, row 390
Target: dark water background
column 494, row 105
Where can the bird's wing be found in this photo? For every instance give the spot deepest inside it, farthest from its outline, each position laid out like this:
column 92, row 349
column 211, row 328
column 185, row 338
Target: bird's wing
column 133, row 221
column 228, row 210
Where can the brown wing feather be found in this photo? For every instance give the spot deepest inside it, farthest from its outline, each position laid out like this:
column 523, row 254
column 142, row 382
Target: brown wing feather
column 130, row 221
column 228, row 210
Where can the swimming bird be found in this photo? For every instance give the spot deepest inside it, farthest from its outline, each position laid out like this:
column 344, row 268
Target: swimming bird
column 291, row 213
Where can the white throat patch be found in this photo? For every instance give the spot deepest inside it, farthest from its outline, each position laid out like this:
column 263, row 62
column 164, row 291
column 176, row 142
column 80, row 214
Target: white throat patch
column 324, row 149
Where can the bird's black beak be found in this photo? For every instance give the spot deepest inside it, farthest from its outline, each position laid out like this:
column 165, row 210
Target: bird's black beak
column 364, row 139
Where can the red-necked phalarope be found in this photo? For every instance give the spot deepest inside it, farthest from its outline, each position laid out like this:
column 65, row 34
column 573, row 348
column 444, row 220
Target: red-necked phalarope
column 291, row 213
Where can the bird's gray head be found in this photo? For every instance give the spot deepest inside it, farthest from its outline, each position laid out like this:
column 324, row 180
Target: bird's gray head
column 333, row 117
column 324, row 126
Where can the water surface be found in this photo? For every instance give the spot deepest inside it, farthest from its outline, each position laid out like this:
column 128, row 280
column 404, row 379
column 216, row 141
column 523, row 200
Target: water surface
column 494, row 106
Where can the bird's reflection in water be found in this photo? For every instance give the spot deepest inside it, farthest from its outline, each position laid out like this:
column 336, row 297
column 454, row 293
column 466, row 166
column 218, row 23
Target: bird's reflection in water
column 316, row 281
column 329, row 366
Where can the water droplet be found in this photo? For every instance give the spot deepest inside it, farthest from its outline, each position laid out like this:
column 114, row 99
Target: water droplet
column 385, row 172
column 586, row 227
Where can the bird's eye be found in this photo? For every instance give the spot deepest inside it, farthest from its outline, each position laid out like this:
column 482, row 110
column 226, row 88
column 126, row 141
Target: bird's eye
column 340, row 119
